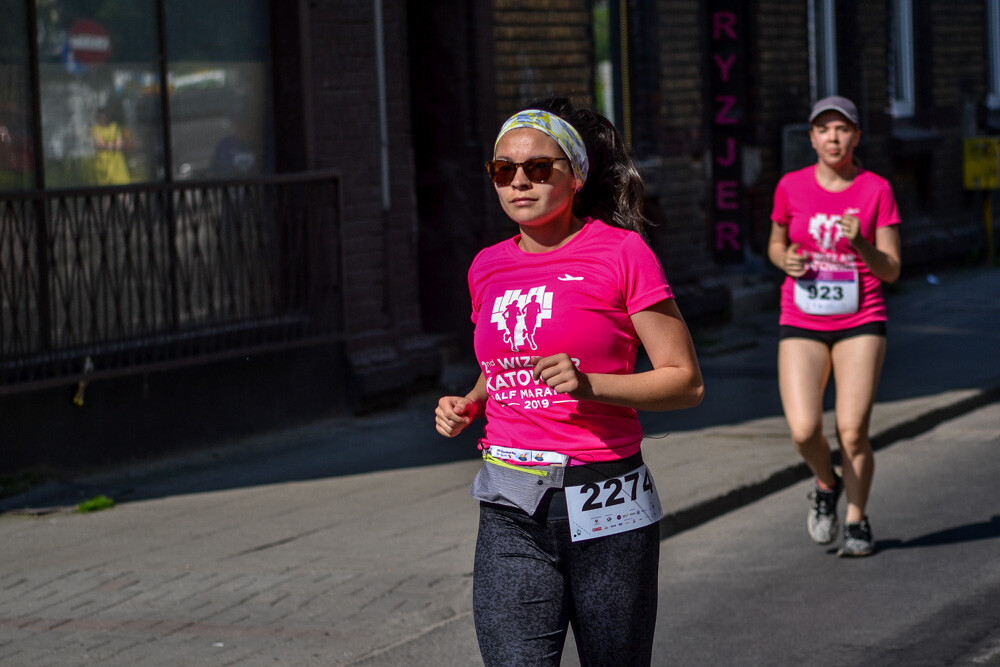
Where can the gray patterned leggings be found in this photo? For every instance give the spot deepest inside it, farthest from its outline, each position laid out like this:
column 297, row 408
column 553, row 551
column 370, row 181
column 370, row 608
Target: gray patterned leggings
column 531, row 581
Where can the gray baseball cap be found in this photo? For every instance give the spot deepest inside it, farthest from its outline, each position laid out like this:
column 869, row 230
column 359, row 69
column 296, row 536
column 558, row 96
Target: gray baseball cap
column 835, row 103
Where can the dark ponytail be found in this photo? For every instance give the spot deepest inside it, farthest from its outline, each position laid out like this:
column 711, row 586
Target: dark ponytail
column 614, row 192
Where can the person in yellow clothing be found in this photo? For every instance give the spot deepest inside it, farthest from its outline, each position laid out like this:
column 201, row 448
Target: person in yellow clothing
column 109, row 161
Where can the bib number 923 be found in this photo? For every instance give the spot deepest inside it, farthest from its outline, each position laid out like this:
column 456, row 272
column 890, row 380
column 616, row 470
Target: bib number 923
column 826, row 292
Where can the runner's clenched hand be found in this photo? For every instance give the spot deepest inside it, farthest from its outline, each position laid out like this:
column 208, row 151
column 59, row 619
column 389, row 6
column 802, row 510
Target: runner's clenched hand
column 561, row 374
column 794, row 261
column 453, row 414
column 850, row 227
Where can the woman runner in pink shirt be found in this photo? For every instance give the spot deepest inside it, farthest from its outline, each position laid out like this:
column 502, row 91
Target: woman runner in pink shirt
column 835, row 232
column 568, row 529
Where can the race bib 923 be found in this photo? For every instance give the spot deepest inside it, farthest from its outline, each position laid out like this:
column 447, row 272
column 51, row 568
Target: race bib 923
column 826, row 292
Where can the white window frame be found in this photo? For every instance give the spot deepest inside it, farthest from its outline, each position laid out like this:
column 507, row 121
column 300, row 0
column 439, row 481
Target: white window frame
column 904, row 102
column 823, row 47
column 993, row 54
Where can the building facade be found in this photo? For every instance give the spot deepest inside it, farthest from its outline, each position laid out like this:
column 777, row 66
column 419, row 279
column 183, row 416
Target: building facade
column 712, row 97
column 276, row 202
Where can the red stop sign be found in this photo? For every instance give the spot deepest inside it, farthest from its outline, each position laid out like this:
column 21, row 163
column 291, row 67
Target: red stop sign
column 89, row 42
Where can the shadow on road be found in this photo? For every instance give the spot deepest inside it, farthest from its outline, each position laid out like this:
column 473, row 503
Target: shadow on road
column 970, row 532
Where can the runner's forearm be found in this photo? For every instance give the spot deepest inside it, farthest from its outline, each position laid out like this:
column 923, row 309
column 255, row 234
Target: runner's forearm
column 669, row 388
column 883, row 266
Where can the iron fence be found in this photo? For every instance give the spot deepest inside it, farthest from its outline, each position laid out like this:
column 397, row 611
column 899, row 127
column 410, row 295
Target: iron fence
column 113, row 281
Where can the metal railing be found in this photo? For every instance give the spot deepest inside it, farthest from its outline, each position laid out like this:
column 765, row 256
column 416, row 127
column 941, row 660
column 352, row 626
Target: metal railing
column 126, row 279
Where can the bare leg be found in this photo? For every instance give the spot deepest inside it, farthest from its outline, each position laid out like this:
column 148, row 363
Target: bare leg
column 803, row 371
column 857, row 365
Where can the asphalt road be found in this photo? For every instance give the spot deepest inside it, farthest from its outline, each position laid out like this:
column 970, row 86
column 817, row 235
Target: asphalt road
column 750, row 588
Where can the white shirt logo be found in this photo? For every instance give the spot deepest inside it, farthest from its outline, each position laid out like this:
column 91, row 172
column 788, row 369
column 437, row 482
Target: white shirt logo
column 519, row 315
column 825, row 230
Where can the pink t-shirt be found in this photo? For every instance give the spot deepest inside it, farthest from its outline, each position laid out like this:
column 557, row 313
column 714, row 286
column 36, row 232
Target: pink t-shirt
column 811, row 214
column 576, row 299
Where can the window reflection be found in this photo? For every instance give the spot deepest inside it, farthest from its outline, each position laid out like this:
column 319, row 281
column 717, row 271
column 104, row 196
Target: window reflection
column 219, row 69
column 217, row 120
column 100, row 96
column 96, row 59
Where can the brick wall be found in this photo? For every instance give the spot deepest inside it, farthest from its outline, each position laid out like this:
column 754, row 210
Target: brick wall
column 956, row 82
column 454, row 118
column 941, row 220
column 381, row 312
column 779, row 76
column 541, row 47
column 864, row 75
column 401, row 224
column 544, row 48
column 677, row 176
column 347, row 139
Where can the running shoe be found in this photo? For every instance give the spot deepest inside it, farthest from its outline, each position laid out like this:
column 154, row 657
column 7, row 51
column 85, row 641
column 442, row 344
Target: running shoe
column 857, row 539
column 822, row 519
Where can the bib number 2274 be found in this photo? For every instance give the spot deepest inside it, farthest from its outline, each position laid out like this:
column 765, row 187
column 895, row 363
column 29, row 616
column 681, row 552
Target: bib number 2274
column 614, row 505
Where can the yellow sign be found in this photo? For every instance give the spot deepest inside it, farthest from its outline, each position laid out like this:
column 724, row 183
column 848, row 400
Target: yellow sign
column 982, row 163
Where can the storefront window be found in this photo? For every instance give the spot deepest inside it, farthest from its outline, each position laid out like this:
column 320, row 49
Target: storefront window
column 219, row 60
column 98, row 83
column 17, row 155
column 99, row 96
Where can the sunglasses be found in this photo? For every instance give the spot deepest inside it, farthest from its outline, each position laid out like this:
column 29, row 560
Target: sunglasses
column 537, row 169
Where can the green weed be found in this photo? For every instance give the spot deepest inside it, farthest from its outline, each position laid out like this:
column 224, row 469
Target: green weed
column 95, row 504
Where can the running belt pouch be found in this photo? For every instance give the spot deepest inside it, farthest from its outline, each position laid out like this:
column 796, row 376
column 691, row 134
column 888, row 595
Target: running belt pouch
column 505, row 485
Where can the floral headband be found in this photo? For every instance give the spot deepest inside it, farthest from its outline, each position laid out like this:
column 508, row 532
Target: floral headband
column 563, row 133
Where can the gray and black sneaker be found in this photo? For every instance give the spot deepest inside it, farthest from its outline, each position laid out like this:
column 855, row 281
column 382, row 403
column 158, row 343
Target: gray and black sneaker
column 822, row 519
column 857, row 539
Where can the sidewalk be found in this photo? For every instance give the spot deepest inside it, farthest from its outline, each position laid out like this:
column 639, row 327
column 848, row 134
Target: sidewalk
column 343, row 541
